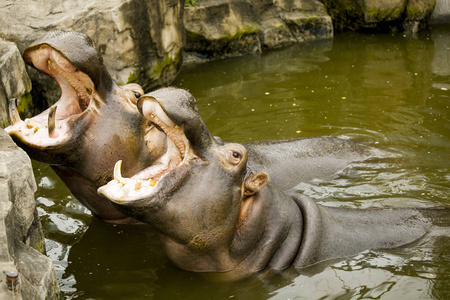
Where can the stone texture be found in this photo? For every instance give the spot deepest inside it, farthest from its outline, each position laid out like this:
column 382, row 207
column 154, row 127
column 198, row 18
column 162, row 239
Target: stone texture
column 222, row 28
column 21, row 237
column 140, row 40
column 216, row 29
column 441, row 12
column 418, row 14
column 380, row 15
column 14, row 80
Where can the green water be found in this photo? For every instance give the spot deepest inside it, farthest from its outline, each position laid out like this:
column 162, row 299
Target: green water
column 386, row 91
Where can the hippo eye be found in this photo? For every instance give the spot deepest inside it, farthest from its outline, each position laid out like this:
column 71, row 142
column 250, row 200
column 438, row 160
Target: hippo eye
column 235, row 157
column 137, row 95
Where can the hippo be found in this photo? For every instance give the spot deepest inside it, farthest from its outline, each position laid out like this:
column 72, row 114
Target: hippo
column 96, row 122
column 218, row 216
column 92, row 125
column 288, row 162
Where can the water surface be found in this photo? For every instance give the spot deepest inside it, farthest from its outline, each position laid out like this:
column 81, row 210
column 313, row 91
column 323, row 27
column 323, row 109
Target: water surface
column 386, row 91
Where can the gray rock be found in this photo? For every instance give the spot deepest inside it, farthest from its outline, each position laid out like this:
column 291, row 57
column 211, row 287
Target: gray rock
column 217, row 29
column 14, row 80
column 380, row 15
column 141, row 41
column 21, row 237
column 441, row 12
column 418, row 14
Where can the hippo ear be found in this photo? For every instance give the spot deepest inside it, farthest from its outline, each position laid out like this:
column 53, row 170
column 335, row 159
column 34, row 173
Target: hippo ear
column 255, row 182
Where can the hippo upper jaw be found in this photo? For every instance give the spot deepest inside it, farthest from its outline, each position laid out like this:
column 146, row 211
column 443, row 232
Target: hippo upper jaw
column 54, row 128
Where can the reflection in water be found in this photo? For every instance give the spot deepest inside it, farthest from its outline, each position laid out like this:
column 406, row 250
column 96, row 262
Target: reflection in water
column 386, row 91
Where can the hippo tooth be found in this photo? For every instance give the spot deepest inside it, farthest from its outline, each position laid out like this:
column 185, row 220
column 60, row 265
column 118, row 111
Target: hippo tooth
column 31, row 124
column 52, row 120
column 118, row 173
column 13, row 111
column 138, row 184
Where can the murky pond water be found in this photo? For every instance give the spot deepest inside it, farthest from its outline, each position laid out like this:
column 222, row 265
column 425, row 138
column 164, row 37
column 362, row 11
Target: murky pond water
column 386, row 91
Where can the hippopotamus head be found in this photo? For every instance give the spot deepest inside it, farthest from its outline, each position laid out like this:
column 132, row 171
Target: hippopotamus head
column 86, row 86
column 198, row 195
column 95, row 121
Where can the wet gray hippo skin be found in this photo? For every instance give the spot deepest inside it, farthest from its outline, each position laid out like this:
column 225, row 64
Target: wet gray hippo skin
column 292, row 161
column 93, row 124
column 288, row 162
column 218, row 217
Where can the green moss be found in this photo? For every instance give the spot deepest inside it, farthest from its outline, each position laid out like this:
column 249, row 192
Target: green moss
column 4, row 122
column 40, row 246
column 194, row 37
column 414, row 13
column 345, row 14
column 373, row 14
column 167, row 62
column 25, row 102
column 133, row 77
column 307, row 21
column 243, row 31
column 191, row 3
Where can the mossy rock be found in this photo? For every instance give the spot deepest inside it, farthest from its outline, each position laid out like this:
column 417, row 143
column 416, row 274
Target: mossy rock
column 160, row 74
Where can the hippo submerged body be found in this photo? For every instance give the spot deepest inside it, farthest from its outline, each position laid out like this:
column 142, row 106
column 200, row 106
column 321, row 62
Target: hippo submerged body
column 96, row 122
column 218, row 215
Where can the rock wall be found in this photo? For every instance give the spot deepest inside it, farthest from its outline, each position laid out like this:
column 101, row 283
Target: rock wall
column 380, row 15
column 140, row 40
column 14, row 80
column 223, row 28
column 441, row 12
column 21, row 237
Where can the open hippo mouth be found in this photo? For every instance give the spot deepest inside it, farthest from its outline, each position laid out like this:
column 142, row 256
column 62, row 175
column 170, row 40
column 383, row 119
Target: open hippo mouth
column 52, row 127
column 167, row 170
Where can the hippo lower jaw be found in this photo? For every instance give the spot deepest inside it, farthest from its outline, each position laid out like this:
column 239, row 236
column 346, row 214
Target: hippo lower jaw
column 173, row 164
column 53, row 127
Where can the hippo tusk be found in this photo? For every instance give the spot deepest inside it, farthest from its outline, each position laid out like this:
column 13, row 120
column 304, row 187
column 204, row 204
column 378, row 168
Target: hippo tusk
column 52, row 120
column 13, row 111
column 118, row 173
